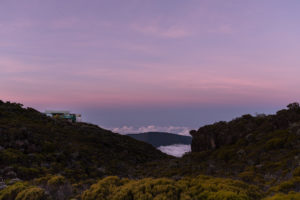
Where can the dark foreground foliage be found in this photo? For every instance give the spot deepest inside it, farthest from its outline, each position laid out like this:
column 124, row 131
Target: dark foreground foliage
column 33, row 145
column 251, row 157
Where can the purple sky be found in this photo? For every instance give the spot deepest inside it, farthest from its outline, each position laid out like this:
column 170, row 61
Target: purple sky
column 168, row 63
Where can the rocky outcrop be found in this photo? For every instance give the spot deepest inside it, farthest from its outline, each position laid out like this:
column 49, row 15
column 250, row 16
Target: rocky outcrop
column 222, row 133
column 245, row 128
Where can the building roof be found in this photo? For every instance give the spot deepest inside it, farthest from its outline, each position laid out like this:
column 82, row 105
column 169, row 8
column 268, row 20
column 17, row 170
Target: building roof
column 57, row 112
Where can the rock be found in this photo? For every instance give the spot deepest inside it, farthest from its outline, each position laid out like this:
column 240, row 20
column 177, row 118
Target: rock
column 259, row 166
column 211, row 166
column 14, row 180
column 211, row 137
column 269, row 177
column 7, row 169
column 47, row 165
column 101, row 169
column 2, row 185
column 10, row 174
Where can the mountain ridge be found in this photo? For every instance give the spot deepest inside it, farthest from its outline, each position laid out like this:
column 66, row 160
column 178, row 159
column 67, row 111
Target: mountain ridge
column 161, row 138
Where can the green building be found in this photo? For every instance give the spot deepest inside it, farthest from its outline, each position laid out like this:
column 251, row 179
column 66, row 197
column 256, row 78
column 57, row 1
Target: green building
column 63, row 114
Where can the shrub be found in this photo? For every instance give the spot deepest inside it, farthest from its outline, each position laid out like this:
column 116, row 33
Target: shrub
column 247, row 175
column 160, row 189
column 32, row 193
column 287, row 186
column 280, row 196
column 296, row 172
column 275, row 143
column 10, row 192
column 56, row 180
column 103, row 189
column 27, row 173
column 201, row 187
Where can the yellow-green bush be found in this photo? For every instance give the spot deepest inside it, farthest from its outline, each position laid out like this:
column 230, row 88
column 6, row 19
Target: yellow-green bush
column 32, row 193
column 280, row 196
column 219, row 188
column 104, row 189
column 22, row 191
column 56, row 180
column 287, row 186
column 226, row 195
column 158, row 189
column 201, row 187
column 296, row 172
column 247, row 175
column 10, row 192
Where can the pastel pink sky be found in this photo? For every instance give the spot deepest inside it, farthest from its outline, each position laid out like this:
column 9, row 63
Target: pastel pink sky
column 115, row 54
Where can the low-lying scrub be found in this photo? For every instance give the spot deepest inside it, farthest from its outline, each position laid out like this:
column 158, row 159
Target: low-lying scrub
column 201, row 187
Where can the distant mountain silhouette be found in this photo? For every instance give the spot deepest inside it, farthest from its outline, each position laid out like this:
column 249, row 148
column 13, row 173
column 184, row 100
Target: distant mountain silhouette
column 161, row 138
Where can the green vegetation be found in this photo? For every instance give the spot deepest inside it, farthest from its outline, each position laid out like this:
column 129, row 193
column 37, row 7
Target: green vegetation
column 202, row 187
column 250, row 157
column 280, row 196
column 286, row 186
column 12, row 191
column 22, row 191
column 261, row 149
column 32, row 193
column 56, row 180
column 34, row 145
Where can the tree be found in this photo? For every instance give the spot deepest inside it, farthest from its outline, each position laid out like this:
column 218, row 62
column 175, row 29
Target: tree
column 293, row 106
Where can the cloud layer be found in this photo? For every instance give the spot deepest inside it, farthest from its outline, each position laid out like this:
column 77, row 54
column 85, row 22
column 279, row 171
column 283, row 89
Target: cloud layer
column 176, row 150
column 180, row 130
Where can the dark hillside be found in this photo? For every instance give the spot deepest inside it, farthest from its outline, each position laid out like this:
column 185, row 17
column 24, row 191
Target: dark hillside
column 161, row 139
column 246, row 127
column 32, row 145
column 248, row 158
column 264, row 150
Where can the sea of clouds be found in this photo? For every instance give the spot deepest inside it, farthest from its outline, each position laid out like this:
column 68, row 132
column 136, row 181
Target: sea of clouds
column 180, row 130
column 177, row 150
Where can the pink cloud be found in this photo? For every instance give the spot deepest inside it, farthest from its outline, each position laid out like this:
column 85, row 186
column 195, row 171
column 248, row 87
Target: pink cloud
column 151, row 83
column 9, row 65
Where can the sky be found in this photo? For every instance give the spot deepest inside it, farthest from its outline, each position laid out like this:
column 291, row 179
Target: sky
column 137, row 65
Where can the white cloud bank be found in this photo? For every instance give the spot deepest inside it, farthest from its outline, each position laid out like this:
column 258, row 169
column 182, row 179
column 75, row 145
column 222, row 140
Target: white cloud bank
column 180, row 130
column 177, row 150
